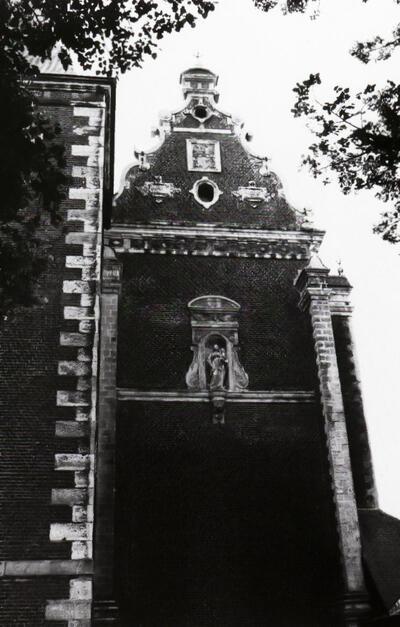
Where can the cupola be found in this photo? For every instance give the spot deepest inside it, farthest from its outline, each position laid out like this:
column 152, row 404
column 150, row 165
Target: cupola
column 199, row 81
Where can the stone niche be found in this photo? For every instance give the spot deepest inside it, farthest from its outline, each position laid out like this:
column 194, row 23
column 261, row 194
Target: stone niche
column 215, row 327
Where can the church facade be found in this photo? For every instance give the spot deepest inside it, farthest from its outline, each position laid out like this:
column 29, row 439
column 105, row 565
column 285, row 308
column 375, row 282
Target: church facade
column 204, row 458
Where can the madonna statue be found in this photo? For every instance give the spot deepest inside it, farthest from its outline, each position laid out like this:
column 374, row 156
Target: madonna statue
column 218, row 364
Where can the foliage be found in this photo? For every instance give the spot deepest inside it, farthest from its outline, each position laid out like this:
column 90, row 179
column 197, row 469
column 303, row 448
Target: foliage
column 358, row 138
column 357, row 133
column 109, row 36
column 287, row 6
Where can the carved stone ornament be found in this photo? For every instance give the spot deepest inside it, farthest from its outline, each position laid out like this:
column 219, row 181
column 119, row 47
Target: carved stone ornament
column 203, row 155
column 143, row 160
column 215, row 365
column 252, row 194
column 158, row 189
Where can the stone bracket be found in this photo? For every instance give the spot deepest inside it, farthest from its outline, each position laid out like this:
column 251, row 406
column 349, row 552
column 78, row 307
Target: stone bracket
column 217, row 400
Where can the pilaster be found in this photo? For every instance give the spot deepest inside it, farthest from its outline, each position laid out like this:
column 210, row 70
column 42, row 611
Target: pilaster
column 105, row 610
column 360, row 452
column 315, row 294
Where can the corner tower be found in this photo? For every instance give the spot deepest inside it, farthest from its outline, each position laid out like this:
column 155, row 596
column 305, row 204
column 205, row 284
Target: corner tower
column 225, row 485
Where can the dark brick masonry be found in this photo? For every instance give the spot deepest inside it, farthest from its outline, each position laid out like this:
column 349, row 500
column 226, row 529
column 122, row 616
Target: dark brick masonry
column 223, row 526
column 154, row 328
column 29, row 354
column 237, row 169
column 22, row 602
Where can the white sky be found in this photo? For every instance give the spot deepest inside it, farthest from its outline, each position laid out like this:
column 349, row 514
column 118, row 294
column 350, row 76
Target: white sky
column 259, row 58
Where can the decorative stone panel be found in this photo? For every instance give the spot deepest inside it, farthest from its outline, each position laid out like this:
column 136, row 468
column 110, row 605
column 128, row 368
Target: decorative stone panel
column 159, row 189
column 252, row 194
column 203, row 155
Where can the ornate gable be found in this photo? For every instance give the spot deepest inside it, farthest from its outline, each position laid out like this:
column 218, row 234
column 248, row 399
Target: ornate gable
column 207, row 172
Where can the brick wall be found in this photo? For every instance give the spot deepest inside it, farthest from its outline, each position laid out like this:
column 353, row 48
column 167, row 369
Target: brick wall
column 237, row 169
column 154, row 335
column 224, row 524
column 48, row 373
column 23, row 601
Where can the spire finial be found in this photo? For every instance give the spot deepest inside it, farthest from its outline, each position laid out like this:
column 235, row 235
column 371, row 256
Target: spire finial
column 315, row 262
column 198, row 58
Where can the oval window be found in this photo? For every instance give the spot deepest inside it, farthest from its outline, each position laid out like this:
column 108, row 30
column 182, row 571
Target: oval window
column 206, row 192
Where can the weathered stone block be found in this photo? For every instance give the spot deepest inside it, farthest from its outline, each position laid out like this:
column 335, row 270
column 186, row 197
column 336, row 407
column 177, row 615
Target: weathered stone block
column 77, row 287
column 73, row 339
column 86, row 326
column 71, row 461
column 67, row 398
column 71, row 429
column 78, row 261
column 69, row 496
column 79, row 514
column 73, row 368
column 78, row 313
column 80, row 550
column 80, row 588
column 87, row 300
column 68, row 610
column 68, row 532
column 81, row 238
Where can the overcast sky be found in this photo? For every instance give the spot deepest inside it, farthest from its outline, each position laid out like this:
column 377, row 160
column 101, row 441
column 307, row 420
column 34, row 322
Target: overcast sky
column 259, row 58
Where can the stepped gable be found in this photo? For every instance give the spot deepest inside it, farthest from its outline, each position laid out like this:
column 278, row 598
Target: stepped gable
column 202, row 171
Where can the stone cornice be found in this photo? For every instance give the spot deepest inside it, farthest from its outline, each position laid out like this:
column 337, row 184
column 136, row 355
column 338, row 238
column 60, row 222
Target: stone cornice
column 246, row 396
column 212, row 240
column 57, row 81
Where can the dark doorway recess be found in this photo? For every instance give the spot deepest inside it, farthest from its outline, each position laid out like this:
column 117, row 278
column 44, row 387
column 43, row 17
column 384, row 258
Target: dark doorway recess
column 222, row 525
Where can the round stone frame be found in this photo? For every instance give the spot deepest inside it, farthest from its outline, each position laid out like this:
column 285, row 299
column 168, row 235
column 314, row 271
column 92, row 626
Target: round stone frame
column 195, row 192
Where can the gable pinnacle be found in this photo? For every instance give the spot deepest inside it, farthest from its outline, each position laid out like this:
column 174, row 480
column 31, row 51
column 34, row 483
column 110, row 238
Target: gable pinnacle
column 199, row 81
